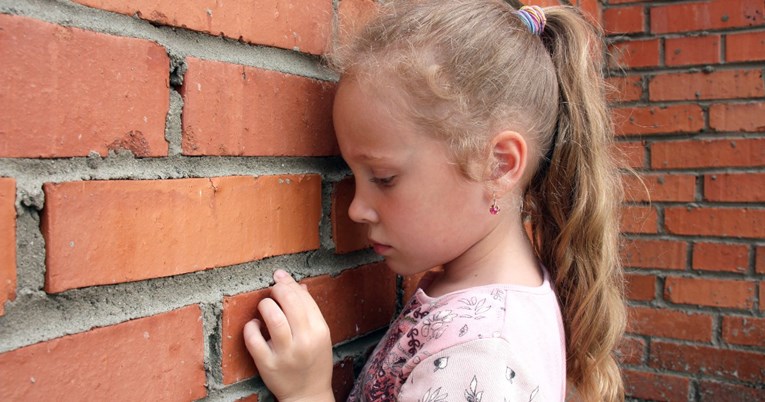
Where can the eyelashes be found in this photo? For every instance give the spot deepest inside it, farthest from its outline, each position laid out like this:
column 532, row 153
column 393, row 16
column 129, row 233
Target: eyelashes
column 383, row 181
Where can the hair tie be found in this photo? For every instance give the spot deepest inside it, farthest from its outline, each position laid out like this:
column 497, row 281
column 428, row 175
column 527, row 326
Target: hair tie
column 533, row 17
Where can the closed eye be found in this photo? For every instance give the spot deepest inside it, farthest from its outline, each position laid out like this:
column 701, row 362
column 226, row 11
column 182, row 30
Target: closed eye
column 383, row 181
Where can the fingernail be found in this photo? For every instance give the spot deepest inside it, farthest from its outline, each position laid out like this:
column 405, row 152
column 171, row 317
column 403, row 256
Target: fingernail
column 280, row 274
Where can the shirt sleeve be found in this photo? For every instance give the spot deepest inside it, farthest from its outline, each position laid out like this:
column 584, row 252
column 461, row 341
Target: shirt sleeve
column 480, row 370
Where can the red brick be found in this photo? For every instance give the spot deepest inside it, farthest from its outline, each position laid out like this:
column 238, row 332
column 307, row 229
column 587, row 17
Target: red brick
column 660, row 187
column 347, row 234
column 747, row 46
column 288, row 24
column 154, row 358
column 710, row 292
column 250, row 398
column 706, row 15
column 7, row 241
column 707, row 360
column 654, row 254
column 411, row 283
column 640, row 287
column 631, row 350
column 669, row 324
column 591, row 8
column 236, row 110
column 658, row 120
column 749, row 117
column 624, row 20
column 656, row 386
column 724, row 84
column 342, row 379
column 625, row 89
column 737, row 152
column 760, row 265
column 714, row 392
column 735, row 187
column 692, row 50
column 721, row 257
column 354, row 303
column 725, row 222
column 762, row 299
column 631, row 154
column 748, row 331
column 353, row 15
column 67, row 92
column 542, row 3
column 634, row 54
column 104, row 232
column 639, row 219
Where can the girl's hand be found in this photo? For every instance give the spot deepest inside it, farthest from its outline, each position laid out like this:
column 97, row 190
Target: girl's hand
column 296, row 363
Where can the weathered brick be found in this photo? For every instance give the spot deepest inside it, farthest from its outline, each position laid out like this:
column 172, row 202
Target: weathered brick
column 624, row 20
column 288, row 24
column 7, row 241
column 707, row 360
column 634, row 54
column 353, row 303
column 734, row 187
column 745, row 46
column 759, row 265
column 721, row 257
column 749, row 331
column 104, row 232
column 656, row 386
column 722, row 84
column 668, row 323
column 347, row 234
column 658, row 120
column 710, row 292
column 660, row 187
column 67, row 92
column 726, row 222
column 148, row 359
column 654, row 254
column 706, row 15
column 631, row 154
column 747, row 117
column 692, row 50
column 736, row 152
column 639, row 219
column 237, row 110
column 710, row 391
column 625, row 89
column 640, row 287
column 342, row 379
column 631, row 350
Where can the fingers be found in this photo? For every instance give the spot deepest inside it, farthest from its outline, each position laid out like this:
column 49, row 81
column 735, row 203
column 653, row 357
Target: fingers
column 277, row 323
column 254, row 341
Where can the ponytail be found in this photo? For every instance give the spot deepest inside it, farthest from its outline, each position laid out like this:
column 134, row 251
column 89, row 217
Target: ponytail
column 573, row 202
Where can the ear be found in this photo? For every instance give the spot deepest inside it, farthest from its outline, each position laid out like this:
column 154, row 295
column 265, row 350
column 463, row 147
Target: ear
column 509, row 154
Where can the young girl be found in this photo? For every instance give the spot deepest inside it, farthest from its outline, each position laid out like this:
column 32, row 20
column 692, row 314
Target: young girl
column 460, row 119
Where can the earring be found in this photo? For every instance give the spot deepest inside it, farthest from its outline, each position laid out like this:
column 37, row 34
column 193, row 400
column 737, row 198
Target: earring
column 494, row 209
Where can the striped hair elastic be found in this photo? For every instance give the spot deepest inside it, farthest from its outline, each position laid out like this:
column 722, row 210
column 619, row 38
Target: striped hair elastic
column 533, row 17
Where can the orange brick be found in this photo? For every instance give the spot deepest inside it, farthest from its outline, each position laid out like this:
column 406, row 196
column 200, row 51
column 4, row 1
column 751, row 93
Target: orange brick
column 640, row 287
column 236, row 110
column 659, row 187
column 654, row 254
column 748, row 331
column 639, row 219
column 667, row 323
column 658, row 120
column 592, row 8
column 747, row 46
column 354, row 303
column 347, row 234
column 103, row 232
column 725, row 222
column 624, row 20
column 749, row 117
column 67, row 92
column 149, row 359
column 735, row 187
column 721, row 257
column 288, row 24
column 7, row 241
column 656, row 386
column 723, row 84
column 634, row 54
column 250, row 398
column 353, row 15
column 631, row 154
column 625, row 89
column 710, row 292
column 631, row 350
column 706, row 15
column 736, row 152
column 692, row 50
column 697, row 359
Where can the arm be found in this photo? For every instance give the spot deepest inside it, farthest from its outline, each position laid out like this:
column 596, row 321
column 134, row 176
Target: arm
column 296, row 363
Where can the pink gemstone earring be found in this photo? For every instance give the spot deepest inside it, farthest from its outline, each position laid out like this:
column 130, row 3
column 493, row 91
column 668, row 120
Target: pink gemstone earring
column 494, row 209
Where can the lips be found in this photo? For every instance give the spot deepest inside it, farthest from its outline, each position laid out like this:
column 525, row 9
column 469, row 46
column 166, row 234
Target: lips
column 381, row 248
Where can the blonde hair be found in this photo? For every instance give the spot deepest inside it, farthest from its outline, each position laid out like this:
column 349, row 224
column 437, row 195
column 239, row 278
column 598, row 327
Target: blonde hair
column 470, row 67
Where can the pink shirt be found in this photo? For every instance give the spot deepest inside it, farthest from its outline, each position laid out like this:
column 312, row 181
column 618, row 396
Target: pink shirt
column 491, row 343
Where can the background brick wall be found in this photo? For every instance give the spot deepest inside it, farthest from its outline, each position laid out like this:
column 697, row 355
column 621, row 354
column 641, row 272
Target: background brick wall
column 158, row 162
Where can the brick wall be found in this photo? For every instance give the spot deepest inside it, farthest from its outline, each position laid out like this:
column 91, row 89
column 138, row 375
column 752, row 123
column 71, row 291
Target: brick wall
column 158, row 162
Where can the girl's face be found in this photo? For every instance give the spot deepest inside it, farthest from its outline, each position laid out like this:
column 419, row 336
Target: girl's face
column 421, row 212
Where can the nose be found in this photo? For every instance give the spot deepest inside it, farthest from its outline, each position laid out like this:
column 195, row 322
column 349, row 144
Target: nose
column 360, row 210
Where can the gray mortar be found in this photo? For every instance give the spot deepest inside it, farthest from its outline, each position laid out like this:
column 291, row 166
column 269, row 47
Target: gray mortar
column 212, row 319
column 30, row 253
column 180, row 43
column 173, row 128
